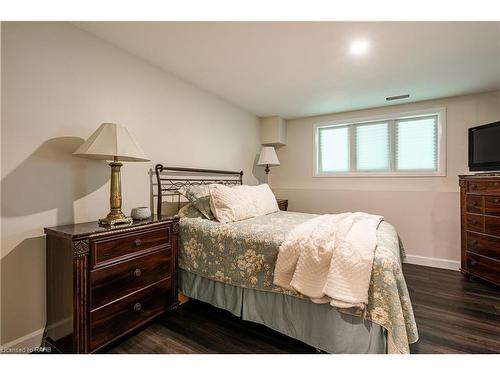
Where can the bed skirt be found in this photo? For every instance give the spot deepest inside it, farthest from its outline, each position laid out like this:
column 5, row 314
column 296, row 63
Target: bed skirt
column 320, row 326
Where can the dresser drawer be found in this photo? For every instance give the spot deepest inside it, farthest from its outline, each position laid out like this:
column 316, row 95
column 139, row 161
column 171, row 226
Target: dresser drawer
column 474, row 204
column 110, row 249
column 483, row 187
column 113, row 320
column 483, row 267
column 484, row 245
column 475, row 222
column 492, row 205
column 492, row 225
column 118, row 280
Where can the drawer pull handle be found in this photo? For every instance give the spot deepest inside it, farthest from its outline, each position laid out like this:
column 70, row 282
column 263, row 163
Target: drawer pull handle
column 137, row 242
column 474, row 243
column 473, row 262
column 495, row 183
column 474, row 203
column 495, row 200
column 137, row 307
column 137, row 272
column 474, row 222
column 474, row 186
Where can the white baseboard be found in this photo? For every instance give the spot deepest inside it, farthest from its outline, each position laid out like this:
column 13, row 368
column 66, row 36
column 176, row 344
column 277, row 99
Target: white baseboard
column 61, row 328
column 446, row 264
column 25, row 344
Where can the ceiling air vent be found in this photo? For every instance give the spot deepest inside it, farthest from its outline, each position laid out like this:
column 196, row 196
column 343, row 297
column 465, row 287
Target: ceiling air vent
column 397, row 97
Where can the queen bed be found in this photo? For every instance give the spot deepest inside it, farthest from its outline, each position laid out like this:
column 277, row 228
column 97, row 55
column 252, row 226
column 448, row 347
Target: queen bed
column 231, row 266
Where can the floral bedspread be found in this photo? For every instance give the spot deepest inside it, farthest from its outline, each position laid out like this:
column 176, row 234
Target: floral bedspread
column 244, row 254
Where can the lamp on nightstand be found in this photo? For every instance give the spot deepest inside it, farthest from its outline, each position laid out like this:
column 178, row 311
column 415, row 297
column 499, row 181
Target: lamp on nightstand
column 113, row 142
column 268, row 158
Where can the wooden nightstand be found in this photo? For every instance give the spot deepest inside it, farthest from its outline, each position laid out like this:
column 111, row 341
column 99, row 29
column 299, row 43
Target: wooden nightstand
column 104, row 282
column 282, row 204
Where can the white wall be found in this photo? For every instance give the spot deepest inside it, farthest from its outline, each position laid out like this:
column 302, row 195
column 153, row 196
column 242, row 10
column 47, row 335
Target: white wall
column 59, row 84
column 425, row 210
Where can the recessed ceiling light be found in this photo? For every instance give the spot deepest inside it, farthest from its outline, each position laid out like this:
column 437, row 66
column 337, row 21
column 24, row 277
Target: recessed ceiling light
column 359, row 47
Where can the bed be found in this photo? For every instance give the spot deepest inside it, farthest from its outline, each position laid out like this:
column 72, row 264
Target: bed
column 231, row 267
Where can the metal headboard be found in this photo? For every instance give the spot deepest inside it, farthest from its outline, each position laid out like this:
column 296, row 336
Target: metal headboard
column 171, row 179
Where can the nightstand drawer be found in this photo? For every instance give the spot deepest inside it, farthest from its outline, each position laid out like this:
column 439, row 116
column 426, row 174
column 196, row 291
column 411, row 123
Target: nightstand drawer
column 113, row 248
column 117, row 280
column 113, row 320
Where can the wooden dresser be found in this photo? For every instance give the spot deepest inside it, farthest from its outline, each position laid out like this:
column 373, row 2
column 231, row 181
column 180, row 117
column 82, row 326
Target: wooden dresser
column 480, row 226
column 104, row 282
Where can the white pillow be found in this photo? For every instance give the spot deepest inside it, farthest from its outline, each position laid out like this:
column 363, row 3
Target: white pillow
column 241, row 202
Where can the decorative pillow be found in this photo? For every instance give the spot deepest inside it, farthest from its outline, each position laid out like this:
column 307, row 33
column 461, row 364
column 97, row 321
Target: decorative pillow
column 241, row 202
column 191, row 212
column 199, row 196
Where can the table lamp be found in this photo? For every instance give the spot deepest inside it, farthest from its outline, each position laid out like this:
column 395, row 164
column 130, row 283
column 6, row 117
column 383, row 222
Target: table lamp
column 112, row 142
column 268, row 158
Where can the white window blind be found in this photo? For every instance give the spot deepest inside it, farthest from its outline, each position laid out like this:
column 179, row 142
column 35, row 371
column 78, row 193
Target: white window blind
column 416, row 144
column 334, row 149
column 372, row 147
column 404, row 145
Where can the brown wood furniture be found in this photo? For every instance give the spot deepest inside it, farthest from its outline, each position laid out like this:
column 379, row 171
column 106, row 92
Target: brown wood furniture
column 282, row 204
column 103, row 282
column 480, row 226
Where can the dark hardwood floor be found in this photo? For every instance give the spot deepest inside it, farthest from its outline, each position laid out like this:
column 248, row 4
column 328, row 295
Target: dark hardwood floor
column 453, row 314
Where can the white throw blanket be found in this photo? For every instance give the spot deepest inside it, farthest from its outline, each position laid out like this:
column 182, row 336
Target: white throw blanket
column 330, row 258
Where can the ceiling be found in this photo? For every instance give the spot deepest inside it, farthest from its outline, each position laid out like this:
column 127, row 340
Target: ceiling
column 296, row 69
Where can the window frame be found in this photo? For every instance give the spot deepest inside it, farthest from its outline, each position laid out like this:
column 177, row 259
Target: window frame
column 390, row 117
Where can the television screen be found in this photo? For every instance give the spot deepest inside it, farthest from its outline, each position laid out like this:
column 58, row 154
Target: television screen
column 484, row 147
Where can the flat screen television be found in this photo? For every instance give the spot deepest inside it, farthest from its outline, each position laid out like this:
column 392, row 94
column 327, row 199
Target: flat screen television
column 484, row 147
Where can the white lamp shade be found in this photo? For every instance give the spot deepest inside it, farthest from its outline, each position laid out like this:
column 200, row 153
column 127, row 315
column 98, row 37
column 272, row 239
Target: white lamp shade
column 110, row 141
column 268, row 157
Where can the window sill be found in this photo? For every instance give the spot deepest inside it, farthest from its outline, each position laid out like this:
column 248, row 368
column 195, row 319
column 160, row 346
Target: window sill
column 380, row 174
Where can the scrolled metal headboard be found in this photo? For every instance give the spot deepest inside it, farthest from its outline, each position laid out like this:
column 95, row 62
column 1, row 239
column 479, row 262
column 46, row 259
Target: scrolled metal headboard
column 171, row 179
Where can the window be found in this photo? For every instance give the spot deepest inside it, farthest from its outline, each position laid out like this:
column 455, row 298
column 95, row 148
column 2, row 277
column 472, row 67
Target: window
column 334, row 140
column 408, row 144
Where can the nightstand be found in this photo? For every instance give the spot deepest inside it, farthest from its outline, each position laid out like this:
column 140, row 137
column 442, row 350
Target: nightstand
column 103, row 282
column 282, row 204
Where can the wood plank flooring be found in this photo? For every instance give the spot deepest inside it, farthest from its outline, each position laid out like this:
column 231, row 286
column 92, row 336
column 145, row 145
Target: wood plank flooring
column 453, row 314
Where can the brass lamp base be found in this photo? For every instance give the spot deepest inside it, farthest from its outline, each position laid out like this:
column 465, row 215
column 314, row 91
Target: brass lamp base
column 114, row 219
column 116, row 215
